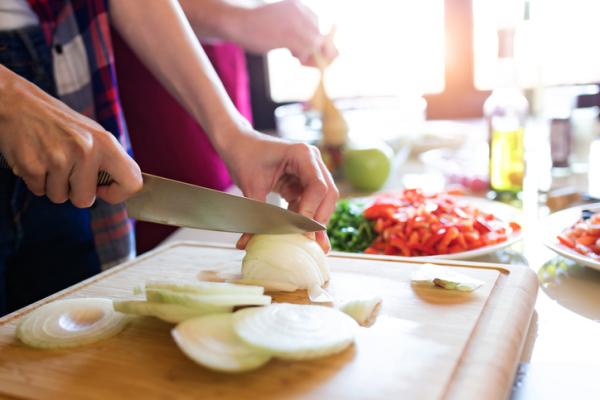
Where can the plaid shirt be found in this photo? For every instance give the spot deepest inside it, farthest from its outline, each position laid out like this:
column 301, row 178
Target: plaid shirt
column 79, row 33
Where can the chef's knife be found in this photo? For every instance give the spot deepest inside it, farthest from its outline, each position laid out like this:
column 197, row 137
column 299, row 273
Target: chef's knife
column 166, row 201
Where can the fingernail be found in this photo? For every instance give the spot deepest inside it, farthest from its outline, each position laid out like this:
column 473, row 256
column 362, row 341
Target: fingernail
column 243, row 241
column 324, row 242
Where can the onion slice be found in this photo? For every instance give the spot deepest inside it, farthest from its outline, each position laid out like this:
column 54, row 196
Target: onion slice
column 204, row 288
column 363, row 310
column 317, row 294
column 295, row 332
column 270, row 286
column 211, row 341
column 434, row 275
column 206, row 301
column 70, row 323
column 174, row 313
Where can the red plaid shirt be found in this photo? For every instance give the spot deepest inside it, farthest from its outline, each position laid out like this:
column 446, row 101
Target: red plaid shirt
column 79, row 33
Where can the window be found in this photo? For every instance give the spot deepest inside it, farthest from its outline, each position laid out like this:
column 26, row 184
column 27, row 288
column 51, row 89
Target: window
column 553, row 46
column 442, row 49
column 386, row 48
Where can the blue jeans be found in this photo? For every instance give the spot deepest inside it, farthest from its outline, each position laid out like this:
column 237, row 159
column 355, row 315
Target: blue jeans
column 44, row 247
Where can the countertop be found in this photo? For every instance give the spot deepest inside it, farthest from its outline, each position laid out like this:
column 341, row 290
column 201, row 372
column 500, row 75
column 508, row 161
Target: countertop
column 561, row 358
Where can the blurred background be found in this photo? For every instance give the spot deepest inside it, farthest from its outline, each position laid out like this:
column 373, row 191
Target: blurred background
column 417, row 75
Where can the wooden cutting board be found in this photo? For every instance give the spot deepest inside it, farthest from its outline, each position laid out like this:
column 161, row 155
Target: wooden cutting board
column 426, row 343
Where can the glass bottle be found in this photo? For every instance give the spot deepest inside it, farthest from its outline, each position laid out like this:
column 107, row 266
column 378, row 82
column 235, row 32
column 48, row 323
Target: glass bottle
column 505, row 111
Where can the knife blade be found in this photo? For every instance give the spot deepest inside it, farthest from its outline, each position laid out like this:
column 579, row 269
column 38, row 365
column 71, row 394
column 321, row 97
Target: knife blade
column 170, row 202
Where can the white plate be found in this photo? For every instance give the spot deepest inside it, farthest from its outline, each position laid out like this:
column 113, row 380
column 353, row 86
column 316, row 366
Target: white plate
column 501, row 211
column 557, row 222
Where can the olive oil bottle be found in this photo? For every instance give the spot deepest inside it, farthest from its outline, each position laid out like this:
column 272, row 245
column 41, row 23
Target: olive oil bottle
column 506, row 111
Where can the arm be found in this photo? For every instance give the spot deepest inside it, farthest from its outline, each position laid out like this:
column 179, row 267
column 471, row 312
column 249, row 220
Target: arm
column 285, row 24
column 211, row 18
column 57, row 151
column 159, row 33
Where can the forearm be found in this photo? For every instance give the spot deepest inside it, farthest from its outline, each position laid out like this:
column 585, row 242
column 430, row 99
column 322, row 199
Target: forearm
column 259, row 27
column 214, row 18
column 160, row 35
column 252, row 25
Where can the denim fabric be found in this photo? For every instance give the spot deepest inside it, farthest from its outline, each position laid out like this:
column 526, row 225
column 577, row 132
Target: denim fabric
column 44, row 247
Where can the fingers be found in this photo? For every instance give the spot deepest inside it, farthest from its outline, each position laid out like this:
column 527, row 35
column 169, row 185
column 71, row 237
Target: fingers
column 329, row 51
column 243, row 241
column 323, row 52
column 319, row 194
column 57, row 179
column 323, row 241
column 126, row 174
column 83, row 184
column 312, row 179
column 327, row 206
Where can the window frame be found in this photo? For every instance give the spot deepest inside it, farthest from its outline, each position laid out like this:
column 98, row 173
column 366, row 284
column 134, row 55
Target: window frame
column 459, row 99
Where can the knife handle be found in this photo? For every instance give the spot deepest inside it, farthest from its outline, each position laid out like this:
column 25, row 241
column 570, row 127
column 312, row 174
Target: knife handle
column 104, row 178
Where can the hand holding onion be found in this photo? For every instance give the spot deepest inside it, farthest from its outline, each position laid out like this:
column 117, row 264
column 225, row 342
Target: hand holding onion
column 294, row 170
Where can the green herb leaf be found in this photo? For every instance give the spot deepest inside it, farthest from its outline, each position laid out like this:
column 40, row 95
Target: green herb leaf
column 348, row 229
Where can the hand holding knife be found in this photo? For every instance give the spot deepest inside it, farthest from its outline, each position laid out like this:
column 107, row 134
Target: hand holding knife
column 170, row 202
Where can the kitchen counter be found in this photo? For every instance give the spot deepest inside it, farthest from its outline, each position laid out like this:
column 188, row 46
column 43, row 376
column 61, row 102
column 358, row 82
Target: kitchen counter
column 561, row 358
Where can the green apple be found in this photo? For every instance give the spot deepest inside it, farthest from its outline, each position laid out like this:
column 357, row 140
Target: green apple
column 367, row 167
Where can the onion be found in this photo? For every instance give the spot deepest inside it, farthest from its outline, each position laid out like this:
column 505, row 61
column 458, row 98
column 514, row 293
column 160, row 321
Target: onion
column 362, row 310
column 204, row 288
column 434, row 275
column 70, row 323
column 269, row 286
column 317, row 294
column 295, row 332
column 167, row 312
column 206, row 301
column 210, row 341
column 293, row 259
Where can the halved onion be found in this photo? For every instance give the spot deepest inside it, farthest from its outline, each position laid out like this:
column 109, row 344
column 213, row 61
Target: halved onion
column 205, row 288
column 167, row 312
column 293, row 259
column 71, row 323
column 210, row 341
column 206, row 301
column 295, row 332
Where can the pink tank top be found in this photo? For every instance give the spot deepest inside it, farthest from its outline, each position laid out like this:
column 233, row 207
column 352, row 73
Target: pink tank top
column 166, row 140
